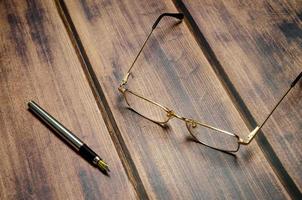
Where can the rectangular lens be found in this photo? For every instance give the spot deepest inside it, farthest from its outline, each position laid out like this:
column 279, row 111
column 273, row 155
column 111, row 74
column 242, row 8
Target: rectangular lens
column 214, row 138
column 145, row 107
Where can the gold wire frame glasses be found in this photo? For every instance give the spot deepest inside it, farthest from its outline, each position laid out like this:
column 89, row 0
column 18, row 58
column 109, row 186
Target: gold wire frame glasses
column 215, row 138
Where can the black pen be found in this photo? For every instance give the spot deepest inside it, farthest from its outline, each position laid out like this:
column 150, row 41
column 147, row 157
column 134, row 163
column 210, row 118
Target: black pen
column 69, row 137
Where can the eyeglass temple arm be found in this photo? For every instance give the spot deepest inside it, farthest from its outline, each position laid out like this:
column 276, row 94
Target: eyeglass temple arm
column 179, row 16
column 252, row 134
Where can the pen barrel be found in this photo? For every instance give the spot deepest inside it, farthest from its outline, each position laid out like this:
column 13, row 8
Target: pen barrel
column 88, row 154
column 66, row 134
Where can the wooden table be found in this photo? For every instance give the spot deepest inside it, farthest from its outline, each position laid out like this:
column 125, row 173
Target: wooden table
column 227, row 64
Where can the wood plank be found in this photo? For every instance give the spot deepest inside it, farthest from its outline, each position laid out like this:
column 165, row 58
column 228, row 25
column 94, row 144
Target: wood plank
column 258, row 43
column 172, row 70
column 38, row 62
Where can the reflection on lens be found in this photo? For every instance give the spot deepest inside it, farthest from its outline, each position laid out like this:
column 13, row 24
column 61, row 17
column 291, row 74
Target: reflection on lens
column 214, row 138
column 146, row 108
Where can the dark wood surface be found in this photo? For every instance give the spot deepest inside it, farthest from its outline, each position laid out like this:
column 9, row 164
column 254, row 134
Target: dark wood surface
column 70, row 56
column 174, row 72
column 38, row 63
column 258, row 44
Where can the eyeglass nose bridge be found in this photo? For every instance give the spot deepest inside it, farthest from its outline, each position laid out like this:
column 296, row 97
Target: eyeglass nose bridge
column 172, row 114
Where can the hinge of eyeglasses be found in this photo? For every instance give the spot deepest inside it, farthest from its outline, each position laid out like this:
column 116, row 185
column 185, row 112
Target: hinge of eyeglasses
column 125, row 79
column 250, row 136
column 122, row 89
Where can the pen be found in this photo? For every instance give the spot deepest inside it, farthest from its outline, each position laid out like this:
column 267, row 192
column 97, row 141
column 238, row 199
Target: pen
column 69, row 137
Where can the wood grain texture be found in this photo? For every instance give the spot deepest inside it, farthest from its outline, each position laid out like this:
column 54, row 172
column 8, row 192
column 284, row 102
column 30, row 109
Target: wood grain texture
column 258, row 44
column 38, row 62
column 173, row 71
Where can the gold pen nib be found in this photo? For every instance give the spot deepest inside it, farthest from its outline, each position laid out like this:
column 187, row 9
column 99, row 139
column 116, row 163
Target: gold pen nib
column 103, row 166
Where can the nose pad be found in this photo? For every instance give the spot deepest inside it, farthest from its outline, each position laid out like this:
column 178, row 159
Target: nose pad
column 191, row 123
column 170, row 114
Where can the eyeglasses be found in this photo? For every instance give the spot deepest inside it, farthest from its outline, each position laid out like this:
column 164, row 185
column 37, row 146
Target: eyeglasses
column 205, row 134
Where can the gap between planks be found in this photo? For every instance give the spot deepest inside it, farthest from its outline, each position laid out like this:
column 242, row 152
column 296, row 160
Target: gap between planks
column 239, row 104
column 102, row 103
